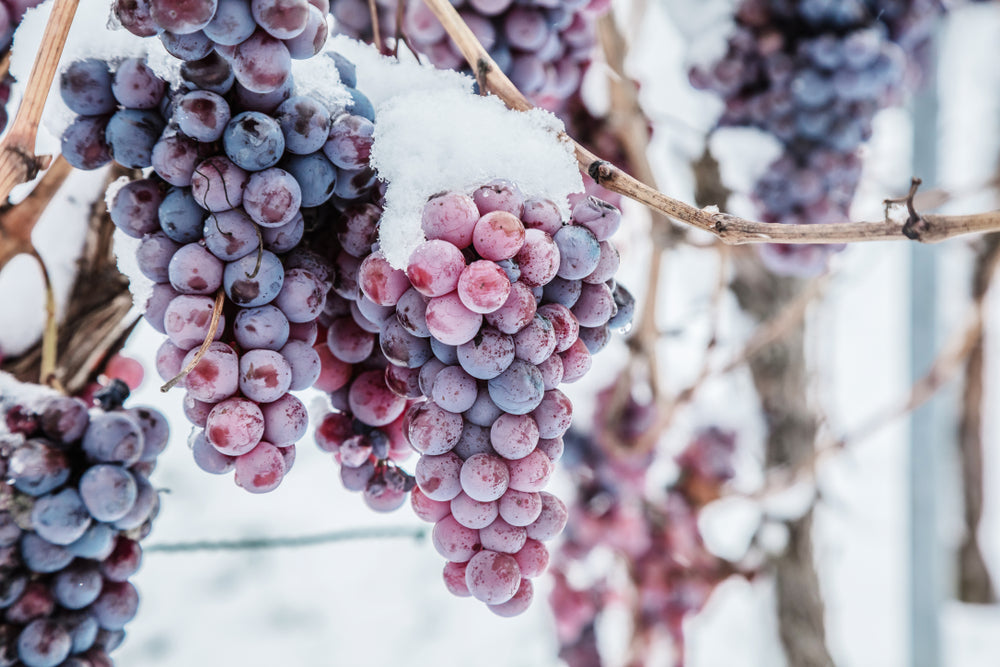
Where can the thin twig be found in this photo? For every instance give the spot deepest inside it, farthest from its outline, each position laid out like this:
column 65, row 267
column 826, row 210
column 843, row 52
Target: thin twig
column 50, row 334
column 17, row 222
column 946, row 366
column 376, row 34
column 18, row 162
column 213, row 326
column 389, row 532
column 731, row 229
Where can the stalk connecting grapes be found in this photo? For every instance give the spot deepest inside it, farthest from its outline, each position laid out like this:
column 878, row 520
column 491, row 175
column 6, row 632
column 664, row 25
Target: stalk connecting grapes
column 813, row 74
column 75, row 502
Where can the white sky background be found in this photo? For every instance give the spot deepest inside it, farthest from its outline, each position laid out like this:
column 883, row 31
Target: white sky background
column 382, row 602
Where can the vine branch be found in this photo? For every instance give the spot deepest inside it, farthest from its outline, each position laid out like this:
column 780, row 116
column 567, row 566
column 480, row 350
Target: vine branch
column 18, row 162
column 730, row 229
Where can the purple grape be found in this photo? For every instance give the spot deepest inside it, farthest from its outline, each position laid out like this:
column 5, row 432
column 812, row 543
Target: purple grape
column 247, row 285
column 134, row 207
column 180, row 216
column 211, row 73
column 113, row 437
column 83, row 143
column 108, row 491
column 261, row 63
column 136, row 86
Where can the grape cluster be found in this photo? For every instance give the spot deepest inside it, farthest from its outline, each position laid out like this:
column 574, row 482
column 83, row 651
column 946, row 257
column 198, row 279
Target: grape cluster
column 543, row 46
column 655, row 537
column 461, row 356
column 235, row 178
column 258, row 37
column 75, row 501
column 813, row 74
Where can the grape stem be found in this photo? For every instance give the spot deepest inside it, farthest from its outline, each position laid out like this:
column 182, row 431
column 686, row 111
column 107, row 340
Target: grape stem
column 376, row 29
column 18, row 162
column 213, row 326
column 417, row 533
column 730, row 229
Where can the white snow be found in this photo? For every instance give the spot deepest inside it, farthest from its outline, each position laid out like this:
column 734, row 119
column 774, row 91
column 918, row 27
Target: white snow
column 728, row 526
column 140, row 286
column 432, row 141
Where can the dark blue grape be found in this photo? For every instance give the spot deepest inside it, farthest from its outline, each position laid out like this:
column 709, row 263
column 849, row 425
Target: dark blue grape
column 85, row 86
column 316, row 175
column 254, row 141
column 84, row 144
column 131, row 135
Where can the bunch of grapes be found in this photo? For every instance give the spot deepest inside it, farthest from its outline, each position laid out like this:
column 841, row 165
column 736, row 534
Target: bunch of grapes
column 74, row 503
column 543, row 46
column 258, row 37
column 672, row 574
column 223, row 215
column 460, row 355
column 813, row 74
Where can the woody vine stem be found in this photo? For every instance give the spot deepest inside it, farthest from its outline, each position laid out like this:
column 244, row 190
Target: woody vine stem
column 730, row 229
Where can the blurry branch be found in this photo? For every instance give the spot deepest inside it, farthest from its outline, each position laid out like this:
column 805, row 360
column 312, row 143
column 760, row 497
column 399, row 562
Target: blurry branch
column 17, row 222
column 18, row 162
column 946, row 366
column 973, row 577
column 629, row 123
column 96, row 320
column 389, row 532
column 730, row 229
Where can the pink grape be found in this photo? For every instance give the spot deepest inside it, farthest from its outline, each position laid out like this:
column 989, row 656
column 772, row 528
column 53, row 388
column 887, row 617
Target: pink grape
column 372, row 401
column 600, row 217
column 283, row 19
column 272, row 197
column 536, row 342
column 483, row 287
column 450, row 321
column 169, row 358
column 261, row 469
column 516, row 312
column 552, row 372
column 261, row 63
column 514, row 436
column 187, row 320
column 380, row 282
column 194, row 270
column 484, row 477
column 334, row 373
column 454, row 579
column 542, row 214
column 235, row 426
column 576, row 361
column 435, row 267
column 531, row 473
column 518, row 604
column 539, row 258
column 216, row 376
column 450, row 217
column 333, row 431
column 454, row 541
column 348, row 341
column 196, row 411
column 217, row 184
column 302, row 296
column 533, row 558
column 520, row 508
column 503, row 537
column 438, row 476
column 492, row 577
column 554, row 414
column 285, row 422
column 473, row 513
column 304, row 362
column 499, row 195
column 454, row 389
column 487, row 355
column 474, row 440
column 264, row 375
column 552, row 448
column 564, row 323
column 404, row 382
column 427, row 509
column 498, row 235
column 596, row 305
column 433, row 430
column 210, row 459
column 552, row 519
column 607, row 265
